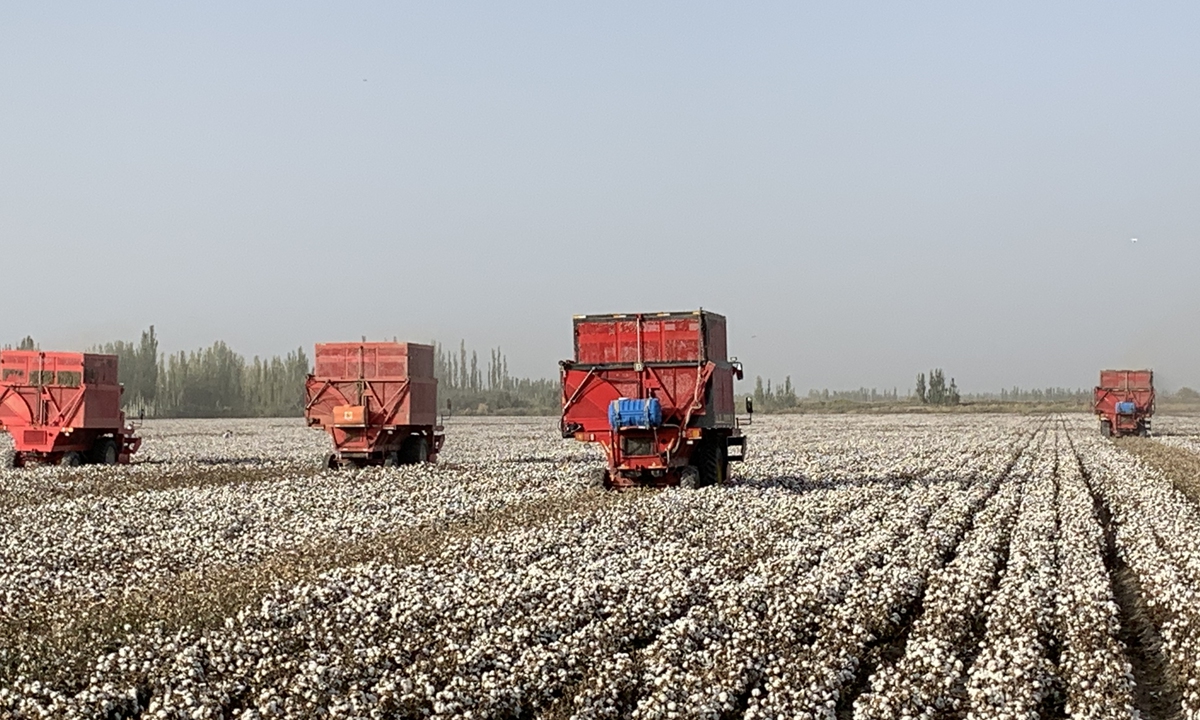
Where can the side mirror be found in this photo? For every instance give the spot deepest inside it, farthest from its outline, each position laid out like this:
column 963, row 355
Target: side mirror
column 749, row 406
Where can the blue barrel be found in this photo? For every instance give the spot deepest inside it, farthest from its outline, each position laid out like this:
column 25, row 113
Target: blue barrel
column 635, row 413
column 1126, row 407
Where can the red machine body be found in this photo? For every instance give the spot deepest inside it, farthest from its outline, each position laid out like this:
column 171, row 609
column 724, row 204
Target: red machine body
column 377, row 401
column 672, row 368
column 1124, row 400
column 64, row 408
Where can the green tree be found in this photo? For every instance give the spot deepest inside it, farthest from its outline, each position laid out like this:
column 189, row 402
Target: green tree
column 921, row 390
column 937, row 387
column 471, row 389
column 27, row 343
column 147, row 364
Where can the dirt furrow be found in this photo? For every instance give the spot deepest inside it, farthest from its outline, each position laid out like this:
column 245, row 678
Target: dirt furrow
column 1156, row 694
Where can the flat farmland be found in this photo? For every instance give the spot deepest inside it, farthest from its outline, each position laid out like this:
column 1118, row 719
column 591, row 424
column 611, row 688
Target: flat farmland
column 900, row 566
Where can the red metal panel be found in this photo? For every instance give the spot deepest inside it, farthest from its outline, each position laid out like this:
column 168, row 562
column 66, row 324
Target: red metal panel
column 387, row 402
column 77, row 390
column 720, row 401
column 691, row 337
column 587, row 393
column 384, row 361
column 1125, row 380
column 1135, row 386
column 715, row 338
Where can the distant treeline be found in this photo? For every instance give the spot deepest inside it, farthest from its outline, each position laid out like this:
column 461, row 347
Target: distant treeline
column 930, row 389
column 466, row 387
column 210, row 382
column 781, row 397
column 1057, row 395
column 216, row 381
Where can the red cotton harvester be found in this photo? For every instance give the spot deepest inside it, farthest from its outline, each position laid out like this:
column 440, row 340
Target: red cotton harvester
column 377, row 401
column 656, row 391
column 64, row 408
column 1124, row 400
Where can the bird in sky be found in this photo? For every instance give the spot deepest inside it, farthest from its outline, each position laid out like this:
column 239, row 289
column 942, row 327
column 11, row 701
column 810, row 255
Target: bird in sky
column 1133, row 240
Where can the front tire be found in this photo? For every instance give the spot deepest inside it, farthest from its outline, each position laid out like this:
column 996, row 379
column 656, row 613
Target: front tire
column 71, row 459
column 689, row 478
column 1105, row 428
column 598, row 479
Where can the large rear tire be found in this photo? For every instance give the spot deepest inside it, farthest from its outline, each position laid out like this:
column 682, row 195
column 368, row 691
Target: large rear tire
column 416, row 450
column 1105, row 428
column 689, row 478
column 711, row 462
column 105, row 452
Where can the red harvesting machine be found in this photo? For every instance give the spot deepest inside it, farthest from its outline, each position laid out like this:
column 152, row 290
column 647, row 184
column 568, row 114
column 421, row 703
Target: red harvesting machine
column 656, row 391
column 64, row 408
column 377, row 400
column 1124, row 400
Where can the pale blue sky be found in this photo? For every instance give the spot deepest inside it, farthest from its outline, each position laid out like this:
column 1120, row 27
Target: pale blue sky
column 865, row 189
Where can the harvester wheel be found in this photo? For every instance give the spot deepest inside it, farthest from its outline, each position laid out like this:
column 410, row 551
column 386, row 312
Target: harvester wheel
column 331, row 461
column 105, row 452
column 391, row 459
column 689, row 478
column 711, row 464
column 18, row 460
column 598, row 478
column 416, row 450
column 1105, row 428
column 71, row 459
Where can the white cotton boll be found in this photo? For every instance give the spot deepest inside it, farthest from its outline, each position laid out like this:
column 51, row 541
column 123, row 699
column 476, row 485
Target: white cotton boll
column 520, row 592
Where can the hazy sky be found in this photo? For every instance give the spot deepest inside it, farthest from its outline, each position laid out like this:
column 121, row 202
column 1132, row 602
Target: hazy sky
column 865, row 189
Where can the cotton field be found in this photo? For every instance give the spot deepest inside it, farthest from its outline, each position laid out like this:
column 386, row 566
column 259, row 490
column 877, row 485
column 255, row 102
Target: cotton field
column 902, row 567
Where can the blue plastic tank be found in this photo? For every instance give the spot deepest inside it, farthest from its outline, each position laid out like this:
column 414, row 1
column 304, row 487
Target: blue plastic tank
column 1126, row 407
column 635, row 413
